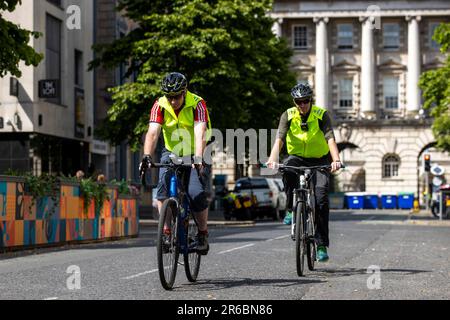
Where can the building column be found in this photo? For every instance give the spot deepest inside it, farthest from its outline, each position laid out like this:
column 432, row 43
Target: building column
column 322, row 67
column 277, row 27
column 368, row 85
column 414, row 66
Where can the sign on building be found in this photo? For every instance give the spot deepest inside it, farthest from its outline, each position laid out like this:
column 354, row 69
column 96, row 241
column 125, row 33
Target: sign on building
column 49, row 89
column 99, row 147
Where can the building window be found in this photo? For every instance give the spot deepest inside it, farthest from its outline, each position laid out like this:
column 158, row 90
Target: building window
column 53, row 52
column 432, row 29
column 390, row 91
column 345, row 93
column 300, row 37
column 79, row 70
column 391, row 164
column 391, row 35
column 345, row 36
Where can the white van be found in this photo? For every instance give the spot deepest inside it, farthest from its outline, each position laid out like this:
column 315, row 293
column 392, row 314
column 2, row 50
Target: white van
column 271, row 200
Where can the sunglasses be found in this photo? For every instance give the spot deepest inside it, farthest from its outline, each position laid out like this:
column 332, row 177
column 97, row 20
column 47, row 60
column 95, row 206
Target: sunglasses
column 299, row 102
column 174, row 96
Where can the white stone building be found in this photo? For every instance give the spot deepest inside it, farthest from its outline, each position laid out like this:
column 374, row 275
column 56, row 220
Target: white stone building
column 364, row 59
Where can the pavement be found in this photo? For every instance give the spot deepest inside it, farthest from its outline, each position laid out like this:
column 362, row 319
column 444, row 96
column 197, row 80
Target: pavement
column 422, row 218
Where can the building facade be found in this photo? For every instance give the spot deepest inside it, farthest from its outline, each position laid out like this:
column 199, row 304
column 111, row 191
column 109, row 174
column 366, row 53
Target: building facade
column 57, row 134
column 48, row 112
column 364, row 60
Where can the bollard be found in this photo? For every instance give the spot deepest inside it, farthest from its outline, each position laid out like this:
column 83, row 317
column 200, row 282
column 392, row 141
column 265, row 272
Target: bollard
column 416, row 208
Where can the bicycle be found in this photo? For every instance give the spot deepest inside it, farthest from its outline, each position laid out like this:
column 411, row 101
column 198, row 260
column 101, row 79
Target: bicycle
column 176, row 213
column 303, row 232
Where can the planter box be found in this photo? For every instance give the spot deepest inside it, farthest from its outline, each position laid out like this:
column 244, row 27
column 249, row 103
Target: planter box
column 49, row 222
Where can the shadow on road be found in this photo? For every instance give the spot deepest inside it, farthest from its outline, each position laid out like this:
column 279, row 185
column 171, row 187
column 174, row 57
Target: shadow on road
column 220, row 284
column 355, row 271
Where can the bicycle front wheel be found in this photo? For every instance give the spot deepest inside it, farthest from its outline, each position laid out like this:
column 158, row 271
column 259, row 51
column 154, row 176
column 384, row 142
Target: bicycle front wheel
column 167, row 245
column 300, row 238
column 311, row 243
column 191, row 258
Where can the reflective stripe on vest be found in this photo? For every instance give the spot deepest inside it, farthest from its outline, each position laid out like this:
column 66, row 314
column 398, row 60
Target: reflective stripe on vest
column 310, row 144
column 178, row 131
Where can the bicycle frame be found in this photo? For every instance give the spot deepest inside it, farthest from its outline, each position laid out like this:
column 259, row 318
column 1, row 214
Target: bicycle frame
column 305, row 190
column 183, row 212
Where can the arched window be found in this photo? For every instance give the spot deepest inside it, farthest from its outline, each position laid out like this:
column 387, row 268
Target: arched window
column 391, row 164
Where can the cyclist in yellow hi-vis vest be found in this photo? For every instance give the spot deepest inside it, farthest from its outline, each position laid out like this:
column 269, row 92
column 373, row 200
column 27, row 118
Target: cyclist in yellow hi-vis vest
column 308, row 134
column 184, row 121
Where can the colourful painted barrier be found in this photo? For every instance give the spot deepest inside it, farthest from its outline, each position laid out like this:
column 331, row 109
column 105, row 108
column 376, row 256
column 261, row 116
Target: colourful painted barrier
column 64, row 219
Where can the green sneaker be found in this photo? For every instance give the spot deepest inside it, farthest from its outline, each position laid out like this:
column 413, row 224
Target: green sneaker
column 288, row 218
column 322, row 255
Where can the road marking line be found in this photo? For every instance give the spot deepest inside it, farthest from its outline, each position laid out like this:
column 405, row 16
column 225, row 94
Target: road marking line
column 234, row 249
column 52, row 298
column 140, row 274
column 278, row 238
column 282, row 237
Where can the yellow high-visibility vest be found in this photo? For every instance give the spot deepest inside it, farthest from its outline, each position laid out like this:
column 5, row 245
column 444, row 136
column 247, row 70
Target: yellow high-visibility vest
column 306, row 144
column 178, row 131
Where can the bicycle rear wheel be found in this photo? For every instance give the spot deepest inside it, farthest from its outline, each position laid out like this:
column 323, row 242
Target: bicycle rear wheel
column 167, row 245
column 310, row 242
column 191, row 258
column 300, row 238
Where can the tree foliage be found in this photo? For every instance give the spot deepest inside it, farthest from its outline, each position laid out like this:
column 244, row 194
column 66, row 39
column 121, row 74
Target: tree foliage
column 226, row 49
column 14, row 43
column 436, row 91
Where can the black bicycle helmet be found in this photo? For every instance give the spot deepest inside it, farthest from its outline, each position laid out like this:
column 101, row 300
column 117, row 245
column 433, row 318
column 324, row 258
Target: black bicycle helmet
column 302, row 91
column 174, row 83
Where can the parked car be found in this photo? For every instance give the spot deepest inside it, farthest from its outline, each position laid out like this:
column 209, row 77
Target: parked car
column 265, row 193
column 279, row 196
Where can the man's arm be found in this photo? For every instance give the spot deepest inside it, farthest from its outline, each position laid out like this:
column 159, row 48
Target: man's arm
column 334, row 150
column 283, row 128
column 201, row 118
column 151, row 139
column 200, row 138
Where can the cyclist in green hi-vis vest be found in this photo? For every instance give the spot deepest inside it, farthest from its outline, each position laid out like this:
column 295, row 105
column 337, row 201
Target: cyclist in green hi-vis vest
column 184, row 121
column 308, row 134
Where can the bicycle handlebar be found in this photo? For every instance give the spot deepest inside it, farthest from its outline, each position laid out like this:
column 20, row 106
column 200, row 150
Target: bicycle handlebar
column 282, row 166
column 162, row 165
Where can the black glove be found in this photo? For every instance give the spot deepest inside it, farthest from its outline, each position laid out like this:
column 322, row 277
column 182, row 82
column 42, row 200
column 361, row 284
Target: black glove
column 145, row 164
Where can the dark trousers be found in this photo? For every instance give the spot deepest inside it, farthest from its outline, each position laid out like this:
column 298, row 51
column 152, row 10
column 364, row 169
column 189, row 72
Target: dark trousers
column 321, row 203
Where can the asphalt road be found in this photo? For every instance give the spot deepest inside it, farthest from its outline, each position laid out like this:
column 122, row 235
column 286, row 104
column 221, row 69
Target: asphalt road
column 405, row 261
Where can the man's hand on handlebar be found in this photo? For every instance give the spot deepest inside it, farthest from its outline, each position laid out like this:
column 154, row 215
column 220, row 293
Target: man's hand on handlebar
column 272, row 164
column 145, row 164
column 336, row 166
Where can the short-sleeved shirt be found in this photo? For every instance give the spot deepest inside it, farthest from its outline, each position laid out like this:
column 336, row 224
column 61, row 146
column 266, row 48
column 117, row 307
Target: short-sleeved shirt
column 325, row 125
column 200, row 113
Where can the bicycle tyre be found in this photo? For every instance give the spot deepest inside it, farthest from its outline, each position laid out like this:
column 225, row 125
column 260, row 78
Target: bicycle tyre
column 311, row 250
column 300, row 239
column 168, row 261
column 191, row 259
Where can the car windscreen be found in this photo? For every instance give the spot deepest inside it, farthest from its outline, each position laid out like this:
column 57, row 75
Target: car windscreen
column 242, row 184
column 259, row 184
column 251, row 184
